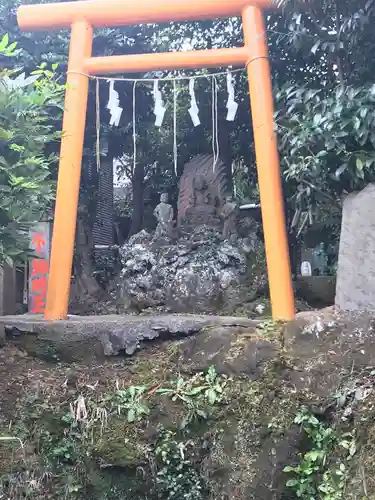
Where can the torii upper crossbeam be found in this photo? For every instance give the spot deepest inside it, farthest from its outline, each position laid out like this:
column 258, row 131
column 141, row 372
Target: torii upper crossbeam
column 81, row 17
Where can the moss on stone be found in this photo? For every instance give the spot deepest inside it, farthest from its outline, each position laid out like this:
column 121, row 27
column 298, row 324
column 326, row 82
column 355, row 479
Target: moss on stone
column 120, row 445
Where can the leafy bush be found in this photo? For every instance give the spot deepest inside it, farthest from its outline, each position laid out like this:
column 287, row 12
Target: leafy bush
column 196, row 393
column 177, row 478
column 327, row 140
column 29, row 109
column 319, row 475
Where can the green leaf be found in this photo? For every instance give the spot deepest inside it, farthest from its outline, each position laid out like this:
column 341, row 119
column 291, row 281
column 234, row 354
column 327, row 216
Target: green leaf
column 342, row 134
column 4, row 42
column 313, row 420
column 11, row 47
column 341, row 170
column 131, row 415
column 180, row 383
column 317, row 119
column 288, row 468
column 359, row 164
column 292, row 482
column 310, row 94
column 163, row 391
column 211, row 396
column 313, row 456
column 357, row 123
column 353, row 449
column 144, row 409
column 195, row 391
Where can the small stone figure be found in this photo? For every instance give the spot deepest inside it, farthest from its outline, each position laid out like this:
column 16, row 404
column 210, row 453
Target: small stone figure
column 229, row 213
column 164, row 215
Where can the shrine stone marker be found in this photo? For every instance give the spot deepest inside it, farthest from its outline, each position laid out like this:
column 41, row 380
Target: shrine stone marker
column 355, row 289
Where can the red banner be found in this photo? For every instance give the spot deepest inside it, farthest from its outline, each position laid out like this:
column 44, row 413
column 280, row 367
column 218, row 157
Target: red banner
column 39, row 266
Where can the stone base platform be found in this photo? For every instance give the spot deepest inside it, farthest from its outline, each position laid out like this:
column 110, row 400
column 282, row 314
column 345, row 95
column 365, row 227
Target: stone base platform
column 84, row 338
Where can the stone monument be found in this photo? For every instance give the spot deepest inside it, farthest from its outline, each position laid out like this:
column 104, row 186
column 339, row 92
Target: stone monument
column 202, row 194
column 355, row 289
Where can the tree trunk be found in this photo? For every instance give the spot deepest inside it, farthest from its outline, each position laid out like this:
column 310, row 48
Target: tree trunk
column 87, row 287
column 294, row 251
column 138, row 199
column 293, row 241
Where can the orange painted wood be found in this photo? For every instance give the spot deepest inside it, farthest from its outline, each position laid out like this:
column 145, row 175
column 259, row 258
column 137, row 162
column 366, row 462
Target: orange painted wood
column 268, row 166
column 101, row 13
column 139, row 63
column 69, row 176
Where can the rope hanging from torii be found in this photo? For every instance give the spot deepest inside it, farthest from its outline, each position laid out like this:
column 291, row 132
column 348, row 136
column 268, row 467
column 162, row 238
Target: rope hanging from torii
column 115, row 110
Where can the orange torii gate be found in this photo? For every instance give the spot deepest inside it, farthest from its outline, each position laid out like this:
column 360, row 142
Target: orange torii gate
column 81, row 17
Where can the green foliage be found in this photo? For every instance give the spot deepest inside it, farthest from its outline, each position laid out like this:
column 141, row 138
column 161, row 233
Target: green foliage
column 319, row 475
column 177, row 477
column 131, row 401
column 7, row 49
column 70, row 438
column 196, row 393
column 331, row 38
column 106, row 266
column 211, row 388
column 29, row 108
column 245, row 191
column 327, row 139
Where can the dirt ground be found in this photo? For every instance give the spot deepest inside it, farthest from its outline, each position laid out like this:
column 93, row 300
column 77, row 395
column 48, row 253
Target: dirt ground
column 324, row 361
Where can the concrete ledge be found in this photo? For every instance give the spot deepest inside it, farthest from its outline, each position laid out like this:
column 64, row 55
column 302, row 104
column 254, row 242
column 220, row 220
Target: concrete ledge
column 84, row 338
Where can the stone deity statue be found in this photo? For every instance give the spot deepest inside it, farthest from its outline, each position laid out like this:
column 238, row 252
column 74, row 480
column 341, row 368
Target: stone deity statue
column 164, row 214
column 201, row 195
column 229, row 214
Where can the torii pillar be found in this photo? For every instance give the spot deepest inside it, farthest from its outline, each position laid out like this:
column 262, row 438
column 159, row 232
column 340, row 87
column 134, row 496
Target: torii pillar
column 81, row 17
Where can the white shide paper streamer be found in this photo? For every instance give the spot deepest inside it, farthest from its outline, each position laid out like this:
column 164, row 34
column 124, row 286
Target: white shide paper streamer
column 114, row 105
column 232, row 106
column 159, row 109
column 194, row 110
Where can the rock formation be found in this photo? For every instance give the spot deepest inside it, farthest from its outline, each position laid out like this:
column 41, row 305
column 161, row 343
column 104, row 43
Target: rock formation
column 196, row 271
